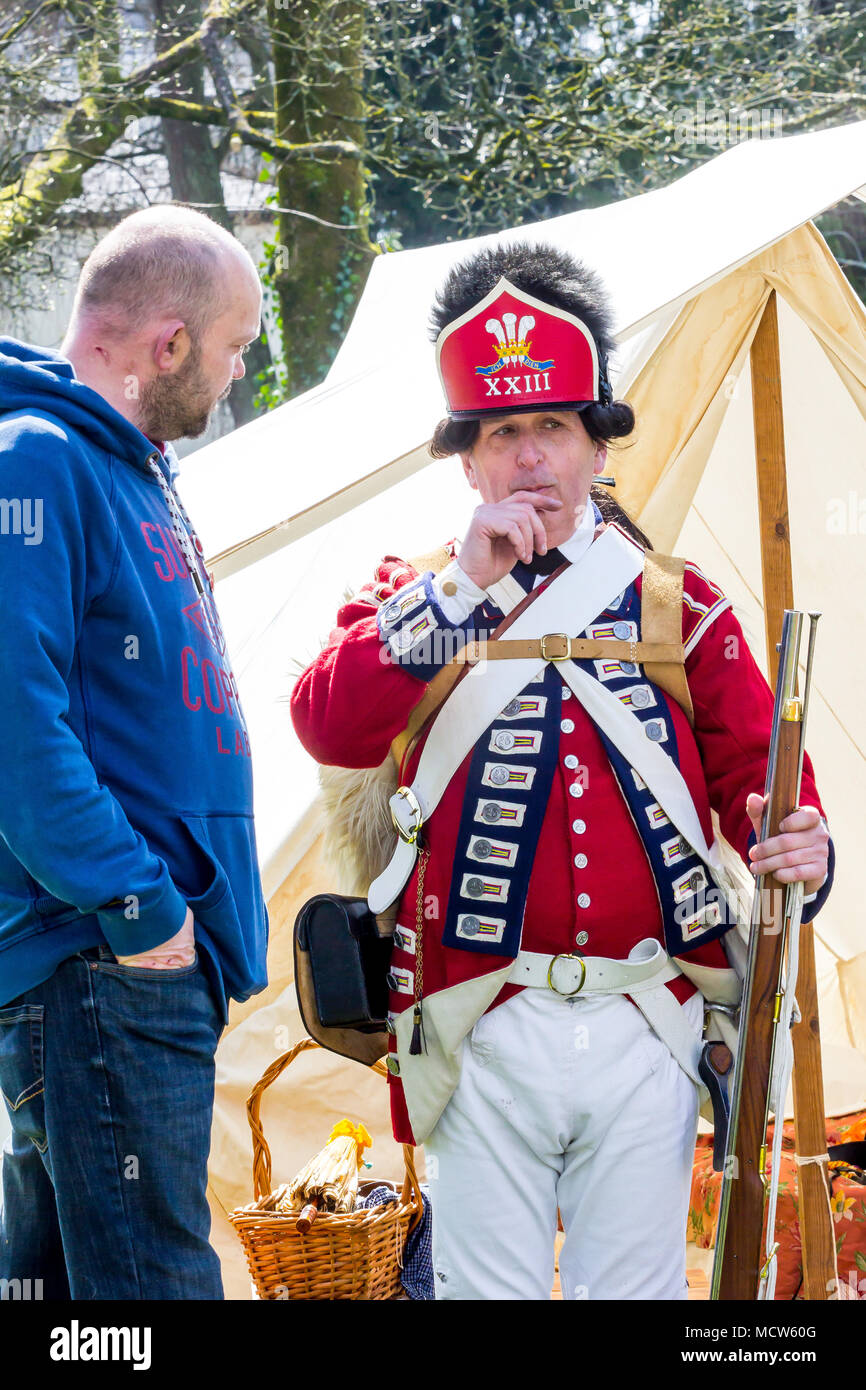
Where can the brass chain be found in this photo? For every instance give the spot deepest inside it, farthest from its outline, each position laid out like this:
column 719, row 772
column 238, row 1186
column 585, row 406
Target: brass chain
column 423, row 856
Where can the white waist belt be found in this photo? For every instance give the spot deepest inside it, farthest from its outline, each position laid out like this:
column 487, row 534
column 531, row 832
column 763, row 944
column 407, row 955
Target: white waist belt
column 644, row 976
column 647, row 967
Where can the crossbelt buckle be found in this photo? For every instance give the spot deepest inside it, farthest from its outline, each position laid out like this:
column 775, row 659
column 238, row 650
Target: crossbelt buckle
column 409, row 834
column 566, row 993
column 563, row 650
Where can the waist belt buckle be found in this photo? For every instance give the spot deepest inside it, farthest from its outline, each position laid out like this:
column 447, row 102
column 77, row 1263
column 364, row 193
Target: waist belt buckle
column 563, row 650
column 410, row 835
column 566, row 993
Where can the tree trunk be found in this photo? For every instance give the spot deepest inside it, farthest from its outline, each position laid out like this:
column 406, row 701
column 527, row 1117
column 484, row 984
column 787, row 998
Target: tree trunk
column 194, row 170
column 319, row 271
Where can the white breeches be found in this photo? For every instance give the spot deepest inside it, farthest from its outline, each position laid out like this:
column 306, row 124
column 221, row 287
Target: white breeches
column 573, row 1104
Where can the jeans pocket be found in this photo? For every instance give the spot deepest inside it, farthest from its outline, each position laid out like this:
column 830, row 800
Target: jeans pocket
column 22, row 1069
column 144, row 972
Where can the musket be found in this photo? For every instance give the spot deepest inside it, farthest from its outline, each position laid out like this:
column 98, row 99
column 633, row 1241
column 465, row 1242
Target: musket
column 739, row 1270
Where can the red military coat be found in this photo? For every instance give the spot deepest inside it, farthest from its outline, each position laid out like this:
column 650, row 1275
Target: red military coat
column 591, row 885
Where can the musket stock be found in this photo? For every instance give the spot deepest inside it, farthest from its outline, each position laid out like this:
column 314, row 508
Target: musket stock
column 738, row 1264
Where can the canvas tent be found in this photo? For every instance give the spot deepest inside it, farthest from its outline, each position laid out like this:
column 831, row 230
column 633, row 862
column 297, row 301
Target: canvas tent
column 298, row 506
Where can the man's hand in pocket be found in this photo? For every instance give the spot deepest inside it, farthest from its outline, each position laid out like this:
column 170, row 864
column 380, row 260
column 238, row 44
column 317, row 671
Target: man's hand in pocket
column 171, row 955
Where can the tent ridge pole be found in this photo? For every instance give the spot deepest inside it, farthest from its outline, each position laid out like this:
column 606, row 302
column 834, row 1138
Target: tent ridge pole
column 820, row 1280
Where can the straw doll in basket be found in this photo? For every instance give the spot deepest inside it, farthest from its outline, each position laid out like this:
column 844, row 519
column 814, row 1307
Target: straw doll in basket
column 329, row 1182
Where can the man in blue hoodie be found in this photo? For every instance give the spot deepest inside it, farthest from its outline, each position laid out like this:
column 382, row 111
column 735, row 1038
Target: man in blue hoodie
column 131, row 908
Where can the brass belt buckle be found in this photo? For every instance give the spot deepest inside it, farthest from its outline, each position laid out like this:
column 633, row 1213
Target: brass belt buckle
column 408, row 836
column 564, row 651
column 566, row 994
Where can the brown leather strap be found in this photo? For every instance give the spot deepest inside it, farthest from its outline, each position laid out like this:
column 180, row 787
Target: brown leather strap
column 436, row 694
column 660, row 652
column 662, row 622
column 555, row 646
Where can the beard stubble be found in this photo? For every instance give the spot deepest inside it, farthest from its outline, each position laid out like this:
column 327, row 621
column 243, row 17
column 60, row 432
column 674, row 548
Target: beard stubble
column 179, row 406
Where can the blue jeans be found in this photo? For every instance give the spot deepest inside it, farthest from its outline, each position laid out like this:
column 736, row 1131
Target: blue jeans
column 107, row 1072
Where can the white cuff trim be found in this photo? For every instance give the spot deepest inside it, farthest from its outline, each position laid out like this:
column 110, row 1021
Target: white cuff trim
column 459, row 605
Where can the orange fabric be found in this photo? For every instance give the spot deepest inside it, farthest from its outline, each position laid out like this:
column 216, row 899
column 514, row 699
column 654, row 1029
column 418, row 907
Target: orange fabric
column 849, row 1209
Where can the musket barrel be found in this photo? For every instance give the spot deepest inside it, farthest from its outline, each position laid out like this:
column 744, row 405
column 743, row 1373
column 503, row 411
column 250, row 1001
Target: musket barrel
column 786, row 686
column 738, row 1262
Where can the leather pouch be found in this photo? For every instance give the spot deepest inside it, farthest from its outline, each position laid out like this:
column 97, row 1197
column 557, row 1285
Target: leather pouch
column 342, row 954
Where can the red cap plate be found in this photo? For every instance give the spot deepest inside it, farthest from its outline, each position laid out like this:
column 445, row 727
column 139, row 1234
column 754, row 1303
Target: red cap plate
column 513, row 352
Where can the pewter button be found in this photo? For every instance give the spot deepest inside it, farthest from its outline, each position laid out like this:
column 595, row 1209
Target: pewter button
column 570, row 760
column 576, row 789
column 567, row 726
column 491, row 812
column 654, row 730
column 640, row 698
column 566, row 693
column 628, row 668
column 475, row 887
column 583, row 900
column 470, row 926
column 499, row 776
column 512, row 708
column 392, row 613
column 696, row 881
column 622, row 631
column 581, row 861
column 582, row 938
column 504, row 740
column 578, row 826
column 483, row 848
column 684, row 847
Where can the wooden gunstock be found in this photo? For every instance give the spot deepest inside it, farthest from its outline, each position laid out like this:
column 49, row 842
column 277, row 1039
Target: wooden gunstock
column 741, row 1252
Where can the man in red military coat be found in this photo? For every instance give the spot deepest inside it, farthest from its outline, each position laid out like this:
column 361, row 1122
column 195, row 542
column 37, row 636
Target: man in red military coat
column 562, row 902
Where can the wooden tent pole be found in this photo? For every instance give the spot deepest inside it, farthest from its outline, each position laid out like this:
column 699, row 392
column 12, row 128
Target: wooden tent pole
column 816, row 1226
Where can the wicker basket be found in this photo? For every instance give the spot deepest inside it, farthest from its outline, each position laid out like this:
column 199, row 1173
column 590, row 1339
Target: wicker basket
column 356, row 1254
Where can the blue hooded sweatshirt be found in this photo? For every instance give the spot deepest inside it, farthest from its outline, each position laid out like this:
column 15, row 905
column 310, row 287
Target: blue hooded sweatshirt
column 125, row 772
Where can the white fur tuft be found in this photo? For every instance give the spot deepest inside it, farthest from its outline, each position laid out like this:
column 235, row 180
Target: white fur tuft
column 360, row 838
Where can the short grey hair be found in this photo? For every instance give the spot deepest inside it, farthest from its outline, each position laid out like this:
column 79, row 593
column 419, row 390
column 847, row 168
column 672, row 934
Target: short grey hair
column 161, row 261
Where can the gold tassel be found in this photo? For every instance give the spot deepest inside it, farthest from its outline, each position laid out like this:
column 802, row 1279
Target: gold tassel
column 419, row 1042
